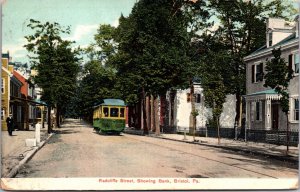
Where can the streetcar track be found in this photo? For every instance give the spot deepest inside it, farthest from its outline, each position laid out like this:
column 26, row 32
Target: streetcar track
column 205, row 158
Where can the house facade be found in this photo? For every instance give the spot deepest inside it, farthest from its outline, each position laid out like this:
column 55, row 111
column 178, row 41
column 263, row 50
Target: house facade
column 263, row 111
column 5, row 90
column 180, row 107
column 15, row 104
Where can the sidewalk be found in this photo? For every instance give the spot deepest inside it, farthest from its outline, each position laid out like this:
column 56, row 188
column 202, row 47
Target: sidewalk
column 263, row 149
column 15, row 152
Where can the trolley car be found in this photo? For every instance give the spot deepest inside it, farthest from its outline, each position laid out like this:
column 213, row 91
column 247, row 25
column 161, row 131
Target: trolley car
column 109, row 116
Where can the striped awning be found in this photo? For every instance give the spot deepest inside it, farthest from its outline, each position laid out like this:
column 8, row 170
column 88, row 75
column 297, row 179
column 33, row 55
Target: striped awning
column 263, row 95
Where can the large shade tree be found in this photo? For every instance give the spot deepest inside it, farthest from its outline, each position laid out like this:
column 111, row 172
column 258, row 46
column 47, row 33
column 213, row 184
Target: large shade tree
column 154, row 45
column 56, row 62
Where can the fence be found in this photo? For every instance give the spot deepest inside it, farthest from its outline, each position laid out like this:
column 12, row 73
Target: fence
column 277, row 137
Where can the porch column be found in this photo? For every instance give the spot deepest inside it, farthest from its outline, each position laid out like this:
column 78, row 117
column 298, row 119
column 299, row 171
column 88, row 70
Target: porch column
column 248, row 120
column 268, row 114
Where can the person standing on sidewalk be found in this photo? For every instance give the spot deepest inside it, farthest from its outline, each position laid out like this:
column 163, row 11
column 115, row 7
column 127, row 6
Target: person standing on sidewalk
column 10, row 124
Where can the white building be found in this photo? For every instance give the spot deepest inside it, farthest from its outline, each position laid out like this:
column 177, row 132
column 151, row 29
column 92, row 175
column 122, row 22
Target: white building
column 264, row 113
column 182, row 108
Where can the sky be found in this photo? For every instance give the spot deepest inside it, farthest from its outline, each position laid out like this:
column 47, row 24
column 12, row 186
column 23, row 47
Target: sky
column 83, row 16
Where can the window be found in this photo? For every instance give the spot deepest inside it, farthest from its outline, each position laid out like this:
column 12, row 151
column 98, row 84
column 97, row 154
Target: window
column 257, row 73
column 270, row 39
column 114, row 112
column 122, row 110
column 105, row 111
column 296, row 63
column 258, row 111
column 2, row 86
column 197, row 98
column 296, row 110
column 3, row 113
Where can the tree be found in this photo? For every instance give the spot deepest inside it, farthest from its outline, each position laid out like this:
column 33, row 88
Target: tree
column 97, row 83
column 278, row 76
column 214, row 89
column 56, row 62
column 154, row 46
column 98, row 77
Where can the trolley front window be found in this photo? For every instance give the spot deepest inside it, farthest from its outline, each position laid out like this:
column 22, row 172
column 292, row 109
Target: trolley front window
column 114, row 112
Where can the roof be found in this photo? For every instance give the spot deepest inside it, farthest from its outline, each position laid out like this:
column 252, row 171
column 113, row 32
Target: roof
column 113, row 102
column 264, row 48
column 270, row 94
column 266, row 92
column 38, row 101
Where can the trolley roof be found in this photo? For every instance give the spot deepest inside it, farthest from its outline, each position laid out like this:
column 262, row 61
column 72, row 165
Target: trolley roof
column 113, row 102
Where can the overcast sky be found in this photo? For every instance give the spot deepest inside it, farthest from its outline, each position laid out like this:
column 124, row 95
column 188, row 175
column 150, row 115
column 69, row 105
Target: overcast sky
column 84, row 17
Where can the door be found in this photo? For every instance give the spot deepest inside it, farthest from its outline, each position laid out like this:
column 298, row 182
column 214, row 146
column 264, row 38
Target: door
column 275, row 115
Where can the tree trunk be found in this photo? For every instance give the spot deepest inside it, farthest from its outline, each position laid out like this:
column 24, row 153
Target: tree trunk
column 152, row 113
column 148, row 123
column 146, row 132
column 287, row 134
column 156, row 113
column 58, row 116
column 49, row 119
column 193, row 117
column 218, row 127
column 238, row 112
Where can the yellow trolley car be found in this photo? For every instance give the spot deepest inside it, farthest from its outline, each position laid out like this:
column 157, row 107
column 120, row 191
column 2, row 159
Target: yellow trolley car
column 110, row 116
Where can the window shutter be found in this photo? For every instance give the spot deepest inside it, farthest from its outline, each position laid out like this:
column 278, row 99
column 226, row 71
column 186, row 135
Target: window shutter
column 253, row 73
column 260, row 111
column 188, row 97
column 198, row 98
column 291, row 62
column 261, row 71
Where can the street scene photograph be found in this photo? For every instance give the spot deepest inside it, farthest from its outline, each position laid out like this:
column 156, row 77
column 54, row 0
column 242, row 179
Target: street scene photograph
column 149, row 95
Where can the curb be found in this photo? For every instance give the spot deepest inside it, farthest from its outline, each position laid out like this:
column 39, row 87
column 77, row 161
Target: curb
column 248, row 151
column 28, row 156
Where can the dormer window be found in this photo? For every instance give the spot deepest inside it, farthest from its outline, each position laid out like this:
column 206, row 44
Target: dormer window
column 270, row 39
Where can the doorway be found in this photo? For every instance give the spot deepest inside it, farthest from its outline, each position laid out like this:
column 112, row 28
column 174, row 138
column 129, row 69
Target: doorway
column 275, row 114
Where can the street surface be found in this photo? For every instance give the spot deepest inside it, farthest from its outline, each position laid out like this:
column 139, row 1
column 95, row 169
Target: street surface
column 77, row 151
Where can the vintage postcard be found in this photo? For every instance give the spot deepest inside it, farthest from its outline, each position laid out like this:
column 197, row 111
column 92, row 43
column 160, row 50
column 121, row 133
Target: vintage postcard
column 149, row 95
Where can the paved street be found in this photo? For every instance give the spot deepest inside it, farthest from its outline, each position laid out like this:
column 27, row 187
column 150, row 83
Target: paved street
column 77, row 151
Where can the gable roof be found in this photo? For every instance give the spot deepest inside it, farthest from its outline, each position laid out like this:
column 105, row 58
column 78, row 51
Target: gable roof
column 286, row 41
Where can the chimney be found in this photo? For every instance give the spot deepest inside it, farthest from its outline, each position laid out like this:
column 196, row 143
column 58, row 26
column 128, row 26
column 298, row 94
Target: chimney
column 277, row 30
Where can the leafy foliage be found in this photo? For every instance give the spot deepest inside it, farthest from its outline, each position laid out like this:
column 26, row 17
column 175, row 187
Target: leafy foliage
column 97, row 84
column 154, row 45
column 278, row 77
column 239, row 33
column 56, row 62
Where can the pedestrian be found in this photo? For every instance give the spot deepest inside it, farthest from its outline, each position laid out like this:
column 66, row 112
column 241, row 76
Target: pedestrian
column 10, row 124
